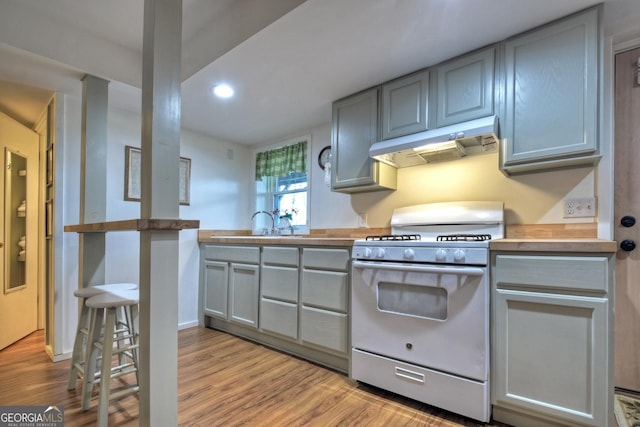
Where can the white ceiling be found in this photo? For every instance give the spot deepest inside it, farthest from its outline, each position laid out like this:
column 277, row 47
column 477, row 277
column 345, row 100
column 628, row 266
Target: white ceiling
column 288, row 59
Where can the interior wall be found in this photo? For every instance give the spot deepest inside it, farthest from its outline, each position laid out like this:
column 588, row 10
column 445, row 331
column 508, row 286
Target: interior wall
column 218, row 196
column 535, row 198
column 328, row 209
column 219, row 182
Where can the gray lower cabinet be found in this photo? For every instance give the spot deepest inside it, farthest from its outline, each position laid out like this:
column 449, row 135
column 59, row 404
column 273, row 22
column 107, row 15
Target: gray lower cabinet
column 463, row 88
column 324, row 298
column 551, row 115
column 405, row 103
column 244, row 286
column 279, row 291
column 291, row 298
column 552, row 339
column 231, row 283
column 216, row 285
column 354, row 129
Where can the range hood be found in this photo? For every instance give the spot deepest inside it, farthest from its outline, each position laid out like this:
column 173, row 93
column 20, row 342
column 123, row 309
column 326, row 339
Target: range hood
column 437, row 145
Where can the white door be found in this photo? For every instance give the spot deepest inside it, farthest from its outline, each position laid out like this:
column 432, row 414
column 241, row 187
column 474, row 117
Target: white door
column 18, row 231
column 627, row 204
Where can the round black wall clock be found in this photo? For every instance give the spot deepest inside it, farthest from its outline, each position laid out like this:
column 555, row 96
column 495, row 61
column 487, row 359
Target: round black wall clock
column 325, row 156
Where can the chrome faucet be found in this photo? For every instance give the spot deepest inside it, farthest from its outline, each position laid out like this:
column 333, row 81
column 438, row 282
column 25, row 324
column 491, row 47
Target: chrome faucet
column 266, row 231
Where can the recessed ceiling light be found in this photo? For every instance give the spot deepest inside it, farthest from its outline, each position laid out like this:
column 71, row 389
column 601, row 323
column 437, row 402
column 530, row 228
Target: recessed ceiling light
column 223, row 91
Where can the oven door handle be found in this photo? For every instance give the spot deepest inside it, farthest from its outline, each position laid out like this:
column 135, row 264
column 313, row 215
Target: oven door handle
column 450, row 269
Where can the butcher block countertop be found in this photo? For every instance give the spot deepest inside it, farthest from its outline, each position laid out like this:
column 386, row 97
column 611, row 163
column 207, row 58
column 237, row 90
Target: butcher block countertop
column 554, row 245
column 302, row 240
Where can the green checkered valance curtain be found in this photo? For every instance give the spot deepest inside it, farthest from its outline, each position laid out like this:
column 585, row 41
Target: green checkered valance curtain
column 282, row 161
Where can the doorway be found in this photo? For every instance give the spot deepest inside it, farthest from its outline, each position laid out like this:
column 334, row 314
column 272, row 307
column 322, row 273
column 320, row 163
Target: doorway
column 19, row 238
column 627, row 219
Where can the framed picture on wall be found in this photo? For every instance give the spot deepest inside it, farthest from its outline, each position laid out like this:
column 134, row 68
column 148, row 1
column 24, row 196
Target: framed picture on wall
column 132, row 176
column 185, row 180
column 132, row 161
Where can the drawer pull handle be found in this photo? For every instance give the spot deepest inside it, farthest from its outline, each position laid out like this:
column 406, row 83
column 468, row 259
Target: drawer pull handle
column 410, row 375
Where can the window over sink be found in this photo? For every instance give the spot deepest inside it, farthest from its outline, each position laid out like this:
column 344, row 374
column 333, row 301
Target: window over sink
column 282, row 187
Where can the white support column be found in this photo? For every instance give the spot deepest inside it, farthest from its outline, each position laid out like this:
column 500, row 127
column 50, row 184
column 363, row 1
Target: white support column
column 93, row 178
column 161, row 106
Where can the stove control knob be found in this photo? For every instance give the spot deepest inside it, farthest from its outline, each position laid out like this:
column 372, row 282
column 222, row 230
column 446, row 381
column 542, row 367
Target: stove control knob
column 441, row 255
column 366, row 253
column 380, row 253
column 458, row 255
column 409, row 253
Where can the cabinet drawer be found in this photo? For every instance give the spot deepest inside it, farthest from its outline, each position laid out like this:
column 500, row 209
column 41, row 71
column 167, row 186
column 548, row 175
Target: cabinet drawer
column 563, row 272
column 330, row 259
column 280, row 283
column 326, row 289
column 280, row 256
column 279, row 317
column 245, row 254
column 324, row 328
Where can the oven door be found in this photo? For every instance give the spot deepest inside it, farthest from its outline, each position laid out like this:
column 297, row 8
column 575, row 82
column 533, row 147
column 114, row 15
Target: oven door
column 434, row 316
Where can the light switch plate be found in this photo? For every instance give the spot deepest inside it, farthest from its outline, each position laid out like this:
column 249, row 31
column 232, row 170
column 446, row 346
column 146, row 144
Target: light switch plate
column 584, row 207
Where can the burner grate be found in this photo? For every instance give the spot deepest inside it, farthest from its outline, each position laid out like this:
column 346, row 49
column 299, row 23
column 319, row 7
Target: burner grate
column 394, row 237
column 463, row 238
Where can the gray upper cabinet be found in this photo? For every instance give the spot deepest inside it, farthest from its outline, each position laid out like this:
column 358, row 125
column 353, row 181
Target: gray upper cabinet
column 551, row 89
column 405, row 105
column 354, row 130
column 464, row 88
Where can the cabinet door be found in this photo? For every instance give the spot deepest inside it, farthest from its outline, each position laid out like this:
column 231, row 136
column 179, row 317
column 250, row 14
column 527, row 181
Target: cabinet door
column 216, row 279
column 244, row 293
column 551, row 355
column 405, row 105
column 465, row 88
column 354, row 130
column 551, row 115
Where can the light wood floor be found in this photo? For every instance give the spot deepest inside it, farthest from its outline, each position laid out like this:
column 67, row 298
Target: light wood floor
column 224, row 381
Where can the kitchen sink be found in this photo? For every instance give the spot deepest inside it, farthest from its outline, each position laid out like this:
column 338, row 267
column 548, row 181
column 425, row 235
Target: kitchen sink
column 262, row 236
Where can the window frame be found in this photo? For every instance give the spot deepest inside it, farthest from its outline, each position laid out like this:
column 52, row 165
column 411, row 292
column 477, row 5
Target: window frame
column 259, row 198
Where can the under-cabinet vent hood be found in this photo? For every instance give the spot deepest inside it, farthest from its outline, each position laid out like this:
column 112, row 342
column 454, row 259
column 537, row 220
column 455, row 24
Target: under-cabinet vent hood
column 437, row 145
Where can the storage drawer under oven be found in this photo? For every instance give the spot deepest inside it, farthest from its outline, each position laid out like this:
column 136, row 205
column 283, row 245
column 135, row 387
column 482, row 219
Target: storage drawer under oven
column 456, row 394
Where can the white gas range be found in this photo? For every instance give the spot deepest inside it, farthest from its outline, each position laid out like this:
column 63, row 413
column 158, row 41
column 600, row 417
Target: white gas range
column 420, row 305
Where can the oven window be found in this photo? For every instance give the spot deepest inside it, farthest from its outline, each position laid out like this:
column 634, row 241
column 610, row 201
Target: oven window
column 411, row 300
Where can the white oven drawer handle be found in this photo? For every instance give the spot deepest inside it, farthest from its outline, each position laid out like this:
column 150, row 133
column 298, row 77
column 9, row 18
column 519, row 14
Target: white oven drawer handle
column 469, row 271
column 410, row 375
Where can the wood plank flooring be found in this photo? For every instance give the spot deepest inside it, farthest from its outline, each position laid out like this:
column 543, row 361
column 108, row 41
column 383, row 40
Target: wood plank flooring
column 225, row 381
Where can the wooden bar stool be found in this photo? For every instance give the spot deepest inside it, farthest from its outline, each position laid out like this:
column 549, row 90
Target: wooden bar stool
column 82, row 330
column 104, row 311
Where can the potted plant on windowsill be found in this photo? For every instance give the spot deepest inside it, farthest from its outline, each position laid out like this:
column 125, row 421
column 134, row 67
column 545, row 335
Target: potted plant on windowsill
column 285, row 225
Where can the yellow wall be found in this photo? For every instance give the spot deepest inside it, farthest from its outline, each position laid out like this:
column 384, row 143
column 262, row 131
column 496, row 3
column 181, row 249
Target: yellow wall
column 529, row 199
